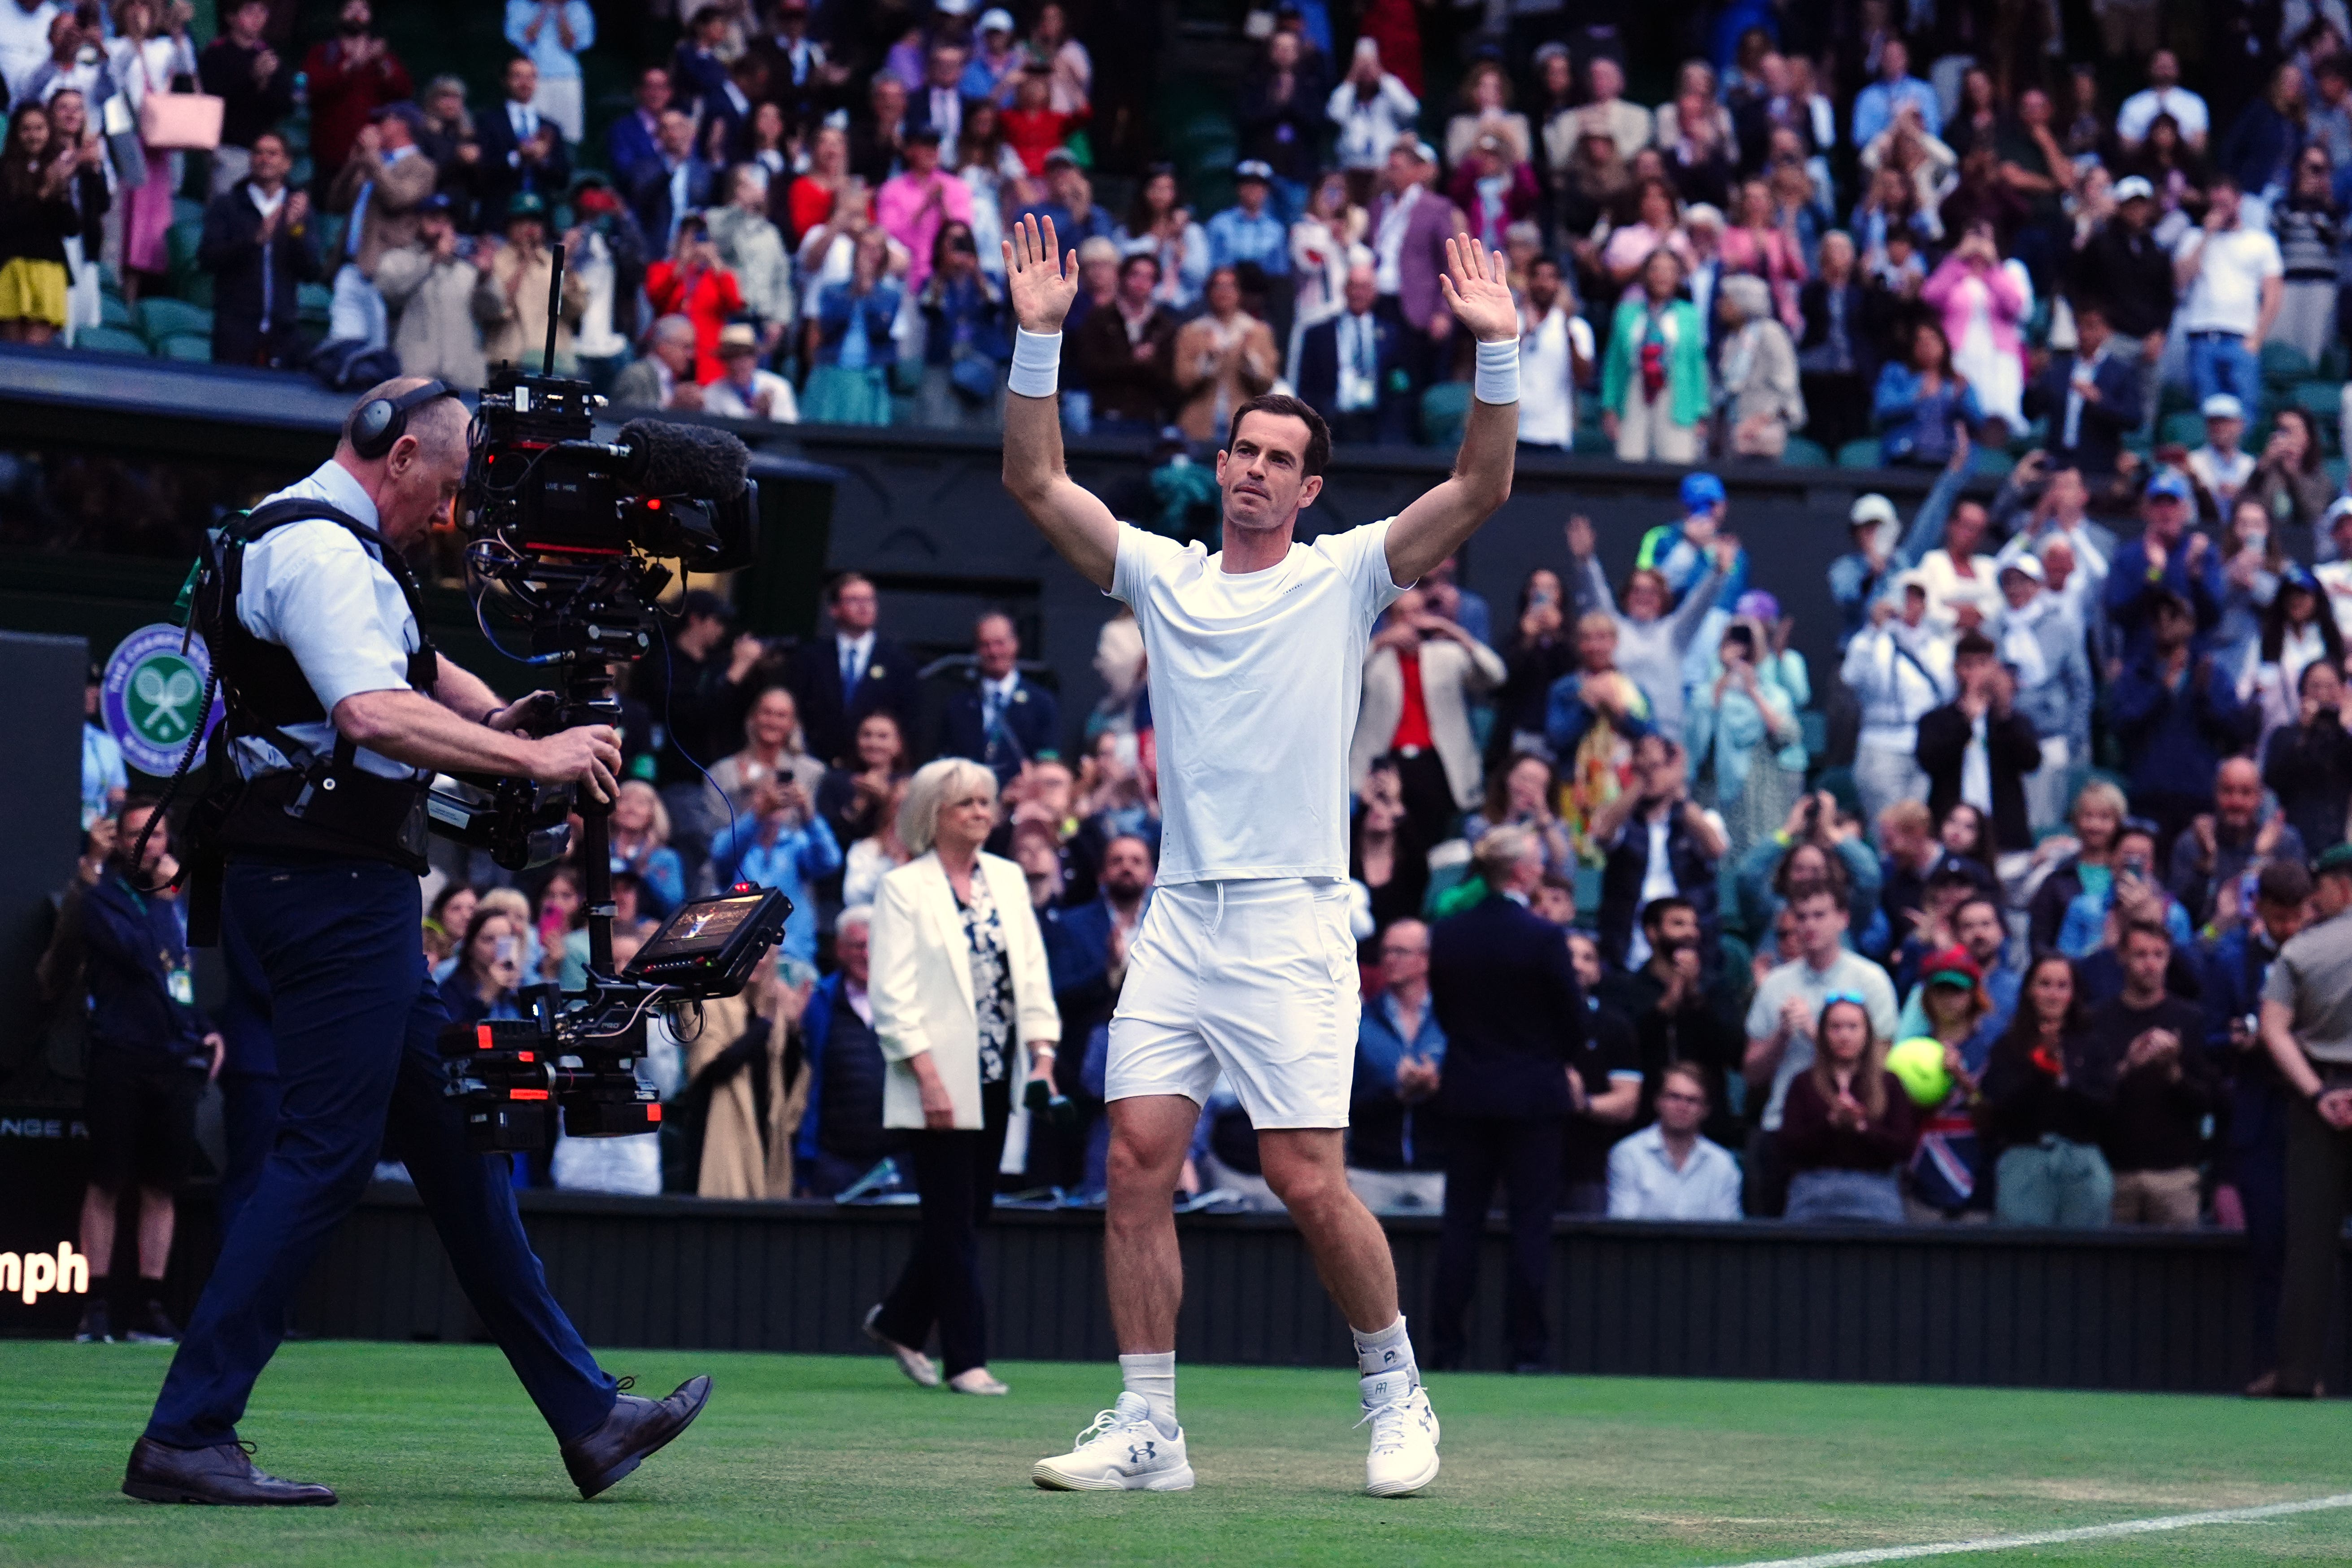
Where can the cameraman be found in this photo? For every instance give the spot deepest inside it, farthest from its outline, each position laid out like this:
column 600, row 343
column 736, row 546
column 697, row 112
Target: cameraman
column 326, row 901
column 151, row 1053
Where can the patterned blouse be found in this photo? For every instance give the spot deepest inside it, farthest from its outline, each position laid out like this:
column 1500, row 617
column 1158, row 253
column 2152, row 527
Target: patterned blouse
column 992, row 978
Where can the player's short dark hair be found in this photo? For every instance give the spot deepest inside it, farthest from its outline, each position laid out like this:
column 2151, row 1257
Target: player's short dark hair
column 1814, row 887
column 2144, row 928
column 1147, row 257
column 1318, row 435
column 1974, row 645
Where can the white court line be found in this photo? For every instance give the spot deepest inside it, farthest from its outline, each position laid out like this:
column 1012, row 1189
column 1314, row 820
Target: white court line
column 2052, row 1536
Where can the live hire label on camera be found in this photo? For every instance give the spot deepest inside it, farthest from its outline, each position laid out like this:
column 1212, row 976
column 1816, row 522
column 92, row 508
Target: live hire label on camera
column 149, row 699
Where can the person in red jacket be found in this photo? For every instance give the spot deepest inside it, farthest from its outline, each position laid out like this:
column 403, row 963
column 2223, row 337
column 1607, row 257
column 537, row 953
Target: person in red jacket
column 352, row 76
column 1032, row 126
column 692, row 284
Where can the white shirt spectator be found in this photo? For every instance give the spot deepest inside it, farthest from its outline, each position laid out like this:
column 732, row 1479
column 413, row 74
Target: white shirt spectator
column 1548, row 358
column 24, row 41
column 1897, row 673
column 2140, row 110
column 2226, row 295
column 1255, row 788
column 1644, row 1184
column 2223, row 475
column 1368, row 127
column 726, row 400
column 1948, row 590
column 1848, row 972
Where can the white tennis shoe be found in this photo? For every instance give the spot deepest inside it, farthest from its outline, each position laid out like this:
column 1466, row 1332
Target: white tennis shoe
column 1404, row 1435
column 1121, row 1452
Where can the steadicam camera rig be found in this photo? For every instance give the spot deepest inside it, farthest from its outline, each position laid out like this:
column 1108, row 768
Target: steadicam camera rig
column 573, row 535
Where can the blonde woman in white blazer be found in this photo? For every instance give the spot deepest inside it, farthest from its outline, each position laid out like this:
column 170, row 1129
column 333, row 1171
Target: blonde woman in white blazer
column 964, row 1011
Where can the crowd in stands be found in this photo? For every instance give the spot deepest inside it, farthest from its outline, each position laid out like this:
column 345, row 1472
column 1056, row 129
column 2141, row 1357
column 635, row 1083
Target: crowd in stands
column 1970, row 927
column 1848, row 237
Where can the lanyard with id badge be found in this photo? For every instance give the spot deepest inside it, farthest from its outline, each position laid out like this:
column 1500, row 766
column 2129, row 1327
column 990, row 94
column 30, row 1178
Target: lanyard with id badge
column 179, row 981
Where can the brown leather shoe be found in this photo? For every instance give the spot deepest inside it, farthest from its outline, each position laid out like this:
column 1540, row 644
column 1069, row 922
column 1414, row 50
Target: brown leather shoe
column 221, row 1474
column 635, row 1428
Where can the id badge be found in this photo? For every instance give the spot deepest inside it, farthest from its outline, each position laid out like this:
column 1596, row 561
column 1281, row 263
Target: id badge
column 182, row 987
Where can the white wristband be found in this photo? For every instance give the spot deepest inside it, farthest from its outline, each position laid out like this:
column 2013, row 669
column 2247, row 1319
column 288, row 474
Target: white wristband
column 1498, row 372
column 1037, row 363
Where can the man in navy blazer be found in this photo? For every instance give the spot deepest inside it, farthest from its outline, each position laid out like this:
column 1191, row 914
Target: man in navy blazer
column 1373, row 401
column 676, row 170
column 839, row 679
column 2088, row 421
column 1505, row 992
column 1000, row 719
column 523, row 151
column 631, row 145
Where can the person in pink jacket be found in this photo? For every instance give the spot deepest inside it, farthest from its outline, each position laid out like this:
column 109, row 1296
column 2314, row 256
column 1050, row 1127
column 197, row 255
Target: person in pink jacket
column 1983, row 304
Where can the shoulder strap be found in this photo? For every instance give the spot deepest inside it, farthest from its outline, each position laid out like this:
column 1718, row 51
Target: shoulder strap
column 425, row 664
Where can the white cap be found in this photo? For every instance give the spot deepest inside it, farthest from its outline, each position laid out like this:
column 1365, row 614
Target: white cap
column 2025, row 565
column 2221, row 405
column 1914, row 578
column 1873, row 511
column 996, row 19
column 2133, row 187
column 2338, row 511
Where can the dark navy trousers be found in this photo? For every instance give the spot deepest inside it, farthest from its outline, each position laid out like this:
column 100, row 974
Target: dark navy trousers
column 354, row 1023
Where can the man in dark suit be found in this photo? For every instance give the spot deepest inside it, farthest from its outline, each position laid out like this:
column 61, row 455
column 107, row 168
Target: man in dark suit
column 2091, row 397
column 1352, row 368
column 1988, row 694
column 1001, row 718
column 839, row 679
column 632, row 144
column 938, row 102
column 1506, row 995
column 676, row 184
column 523, row 151
column 877, row 135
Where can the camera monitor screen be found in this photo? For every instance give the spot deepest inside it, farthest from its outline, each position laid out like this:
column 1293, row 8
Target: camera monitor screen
column 701, row 930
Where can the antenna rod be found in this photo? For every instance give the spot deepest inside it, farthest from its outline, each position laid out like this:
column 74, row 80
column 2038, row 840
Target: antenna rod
column 554, row 307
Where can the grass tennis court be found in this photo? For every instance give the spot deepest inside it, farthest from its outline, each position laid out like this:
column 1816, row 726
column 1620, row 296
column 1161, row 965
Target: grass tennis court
column 834, row 1460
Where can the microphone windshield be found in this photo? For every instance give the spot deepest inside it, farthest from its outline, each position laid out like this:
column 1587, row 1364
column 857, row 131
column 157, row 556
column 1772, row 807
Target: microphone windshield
column 689, row 459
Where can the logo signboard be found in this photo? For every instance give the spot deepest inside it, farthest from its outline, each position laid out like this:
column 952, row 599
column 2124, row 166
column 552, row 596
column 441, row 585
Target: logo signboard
column 151, row 698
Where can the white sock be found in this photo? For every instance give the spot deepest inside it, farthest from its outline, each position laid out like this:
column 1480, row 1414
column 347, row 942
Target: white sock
column 1387, row 1350
column 1152, row 1379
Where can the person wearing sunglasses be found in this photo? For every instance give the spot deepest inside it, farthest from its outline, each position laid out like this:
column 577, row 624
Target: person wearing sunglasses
column 2309, row 227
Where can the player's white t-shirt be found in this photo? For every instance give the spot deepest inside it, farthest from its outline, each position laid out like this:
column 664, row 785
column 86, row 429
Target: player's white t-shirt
column 1256, row 681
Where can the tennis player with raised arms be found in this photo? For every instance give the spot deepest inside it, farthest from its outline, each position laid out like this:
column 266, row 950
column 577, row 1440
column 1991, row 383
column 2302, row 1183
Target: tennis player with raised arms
column 1245, row 963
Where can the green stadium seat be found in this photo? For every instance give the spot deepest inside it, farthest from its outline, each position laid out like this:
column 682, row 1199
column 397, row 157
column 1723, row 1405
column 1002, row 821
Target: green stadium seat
column 314, row 300
column 1804, row 454
column 2173, row 398
column 2186, row 428
column 2284, row 364
column 194, row 288
column 1993, row 461
column 113, row 313
column 1865, row 453
column 185, row 210
column 110, row 340
column 163, row 318
column 186, row 346
column 1592, row 440
column 1444, row 411
column 2323, row 398
column 2334, row 364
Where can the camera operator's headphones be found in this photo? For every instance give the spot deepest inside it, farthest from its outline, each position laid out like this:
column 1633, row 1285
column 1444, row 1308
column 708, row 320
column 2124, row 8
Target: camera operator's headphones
column 381, row 421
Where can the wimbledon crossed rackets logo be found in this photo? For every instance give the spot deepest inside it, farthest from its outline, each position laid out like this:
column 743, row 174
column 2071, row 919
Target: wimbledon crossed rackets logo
column 150, row 698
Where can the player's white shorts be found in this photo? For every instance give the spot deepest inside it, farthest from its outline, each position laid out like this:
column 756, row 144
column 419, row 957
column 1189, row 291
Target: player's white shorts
column 1257, row 978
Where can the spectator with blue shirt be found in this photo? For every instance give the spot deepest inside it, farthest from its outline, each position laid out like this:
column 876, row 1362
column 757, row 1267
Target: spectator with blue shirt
column 781, row 843
column 104, row 781
column 2178, row 715
column 1248, row 230
column 1396, row 1151
column 1875, row 106
column 2162, row 563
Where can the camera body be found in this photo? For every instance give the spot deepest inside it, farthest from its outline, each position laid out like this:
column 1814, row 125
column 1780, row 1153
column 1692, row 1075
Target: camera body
column 572, row 536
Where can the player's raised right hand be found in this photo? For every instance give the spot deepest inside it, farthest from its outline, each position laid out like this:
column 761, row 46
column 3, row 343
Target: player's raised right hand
column 1040, row 281
column 588, row 755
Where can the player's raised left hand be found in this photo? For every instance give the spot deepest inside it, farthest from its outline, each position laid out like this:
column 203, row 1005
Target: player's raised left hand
column 1474, row 291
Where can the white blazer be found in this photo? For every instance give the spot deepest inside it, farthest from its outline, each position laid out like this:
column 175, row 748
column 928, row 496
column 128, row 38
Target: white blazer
column 921, row 986
column 1450, row 673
